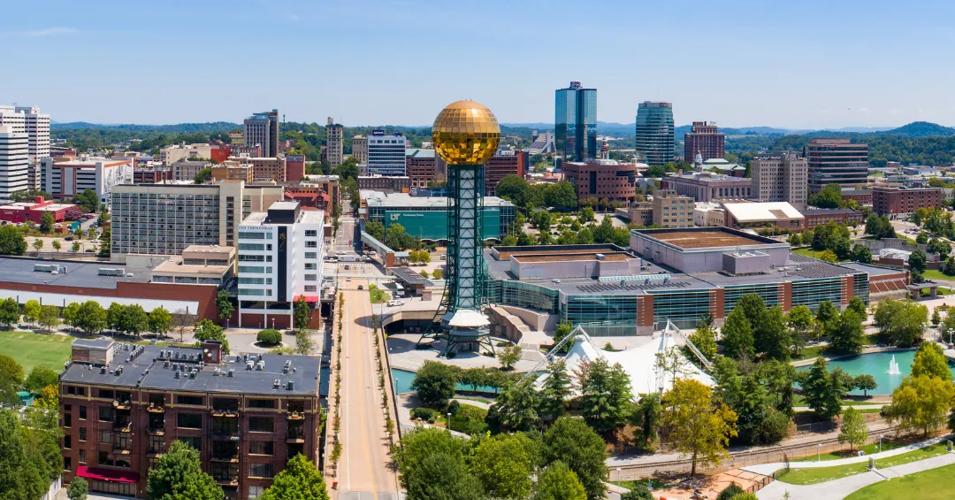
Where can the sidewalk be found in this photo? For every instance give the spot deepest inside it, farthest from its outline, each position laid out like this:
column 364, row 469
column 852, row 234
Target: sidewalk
column 840, row 488
column 768, row 469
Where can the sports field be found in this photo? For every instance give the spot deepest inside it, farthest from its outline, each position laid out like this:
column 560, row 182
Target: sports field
column 36, row 349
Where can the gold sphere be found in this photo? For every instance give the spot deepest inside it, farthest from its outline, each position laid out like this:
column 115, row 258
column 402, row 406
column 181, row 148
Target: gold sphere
column 465, row 133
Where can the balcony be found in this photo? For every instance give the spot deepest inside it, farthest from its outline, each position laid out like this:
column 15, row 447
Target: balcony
column 124, row 426
column 155, row 408
column 226, row 458
column 295, row 435
column 225, row 413
column 228, row 481
column 295, row 415
column 121, row 404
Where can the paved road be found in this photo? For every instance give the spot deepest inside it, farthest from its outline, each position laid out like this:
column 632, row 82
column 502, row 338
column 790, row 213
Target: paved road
column 364, row 472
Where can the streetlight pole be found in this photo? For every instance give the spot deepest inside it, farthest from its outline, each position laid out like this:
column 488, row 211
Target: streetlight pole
column 818, row 452
column 449, row 422
column 880, row 443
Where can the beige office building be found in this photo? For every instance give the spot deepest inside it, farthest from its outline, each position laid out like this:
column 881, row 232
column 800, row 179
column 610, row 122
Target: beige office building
column 672, row 210
column 359, row 149
column 780, row 178
column 334, row 139
column 164, row 219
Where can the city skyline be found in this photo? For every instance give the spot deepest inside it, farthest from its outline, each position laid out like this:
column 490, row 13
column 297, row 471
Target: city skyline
column 158, row 65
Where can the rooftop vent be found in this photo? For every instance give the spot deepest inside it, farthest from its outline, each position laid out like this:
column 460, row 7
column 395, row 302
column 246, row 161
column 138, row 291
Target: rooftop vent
column 290, row 385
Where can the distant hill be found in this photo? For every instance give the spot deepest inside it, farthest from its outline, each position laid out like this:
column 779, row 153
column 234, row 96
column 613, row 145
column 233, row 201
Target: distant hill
column 178, row 128
column 920, row 129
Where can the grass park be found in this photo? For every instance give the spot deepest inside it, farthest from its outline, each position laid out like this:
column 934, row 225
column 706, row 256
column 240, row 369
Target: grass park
column 36, row 349
column 813, row 475
column 931, row 485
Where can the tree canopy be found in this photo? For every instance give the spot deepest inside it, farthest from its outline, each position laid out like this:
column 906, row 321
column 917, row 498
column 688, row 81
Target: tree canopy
column 299, row 480
column 177, row 475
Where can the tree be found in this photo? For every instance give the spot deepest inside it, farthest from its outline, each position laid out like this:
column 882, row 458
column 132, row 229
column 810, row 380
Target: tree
column 509, row 355
column 434, row 384
column 730, row 492
column 921, row 403
column 918, row 261
column 31, row 311
column 515, row 408
column 504, row 464
column 704, row 338
column 826, row 313
column 861, row 253
column 47, row 222
column 203, row 176
column 70, row 314
column 558, row 482
column 605, row 396
column 930, row 361
column 177, row 475
column 135, row 320
column 936, row 318
column 207, row 330
column 829, row 197
column 865, row 383
column 431, row 465
column 771, row 335
column 879, row 227
column 438, row 274
column 224, row 305
column 56, row 245
column 269, row 337
column 298, row 480
column 802, row 326
column 858, row 305
column 88, row 201
column 572, row 442
column 738, row 340
column 37, row 245
column 901, row 322
column 160, row 321
column 639, row 491
column 854, row 430
column 39, row 378
column 822, row 390
column 9, row 311
column 554, row 391
column 90, row 318
column 20, row 472
column 78, row 489
column 75, row 247
column 646, row 416
column 302, row 312
column 515, row 189
column 696, row 423
column 846, row 335
column 11, row 241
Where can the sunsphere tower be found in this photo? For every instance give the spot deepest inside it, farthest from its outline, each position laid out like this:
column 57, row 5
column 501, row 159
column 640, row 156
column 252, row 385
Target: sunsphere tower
column 466, row 136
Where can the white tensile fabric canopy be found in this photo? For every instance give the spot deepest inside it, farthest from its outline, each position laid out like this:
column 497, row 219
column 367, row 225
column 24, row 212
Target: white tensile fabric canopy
column 642, row 363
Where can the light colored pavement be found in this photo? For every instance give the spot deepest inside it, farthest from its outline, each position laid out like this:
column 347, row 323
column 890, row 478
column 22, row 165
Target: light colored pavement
column 365, row 468
column 768, row 469
column 840, row 488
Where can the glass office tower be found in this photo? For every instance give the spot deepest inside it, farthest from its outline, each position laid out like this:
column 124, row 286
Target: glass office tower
column 655, row 132
column 575, row 122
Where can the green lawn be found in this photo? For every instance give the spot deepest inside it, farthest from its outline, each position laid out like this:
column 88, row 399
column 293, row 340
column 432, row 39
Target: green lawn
column 821, row 474
column 36, row 349
column 868, row 449
column 933, row 484
column 820, row 350
column 935, row 274
column 808, row 252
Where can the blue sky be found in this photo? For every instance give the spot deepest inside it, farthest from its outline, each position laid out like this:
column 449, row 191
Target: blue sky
column 796, row 64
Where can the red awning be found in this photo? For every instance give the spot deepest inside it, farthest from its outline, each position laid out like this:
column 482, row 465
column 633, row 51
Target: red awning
column 110, row 475
column 310, row 299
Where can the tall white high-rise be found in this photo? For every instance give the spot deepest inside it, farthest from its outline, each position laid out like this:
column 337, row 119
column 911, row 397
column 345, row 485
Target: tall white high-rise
column 37, row 126
column 14, row 160
column 780, row 178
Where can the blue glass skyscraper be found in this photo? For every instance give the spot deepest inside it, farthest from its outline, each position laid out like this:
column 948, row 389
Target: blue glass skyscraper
column 575, row 123
column 655, row 132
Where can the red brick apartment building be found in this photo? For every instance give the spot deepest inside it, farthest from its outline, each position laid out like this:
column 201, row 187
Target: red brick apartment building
column 122, row 405
column 602, row 180
column 904, row 200
column 501, row 165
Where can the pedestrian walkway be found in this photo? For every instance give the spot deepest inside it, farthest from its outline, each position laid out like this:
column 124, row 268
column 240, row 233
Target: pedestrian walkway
column 770, row 468
column 840, row 488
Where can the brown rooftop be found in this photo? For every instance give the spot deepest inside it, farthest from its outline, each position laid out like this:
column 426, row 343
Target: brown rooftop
column 704, row 238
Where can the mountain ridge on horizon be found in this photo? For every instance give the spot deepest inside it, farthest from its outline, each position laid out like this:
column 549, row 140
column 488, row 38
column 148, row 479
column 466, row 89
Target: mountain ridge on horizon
column 911, row 129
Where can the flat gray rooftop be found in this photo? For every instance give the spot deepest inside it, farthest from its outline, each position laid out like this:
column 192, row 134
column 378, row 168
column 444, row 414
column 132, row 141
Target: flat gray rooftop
column 78, row 273
column 152, row 367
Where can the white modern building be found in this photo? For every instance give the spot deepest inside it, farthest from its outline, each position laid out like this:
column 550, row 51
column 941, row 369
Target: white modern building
column 386, row 154
column 780, row 178
column 65, row 179
column 280, row 261
column 14, row 161
column 37, row 127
